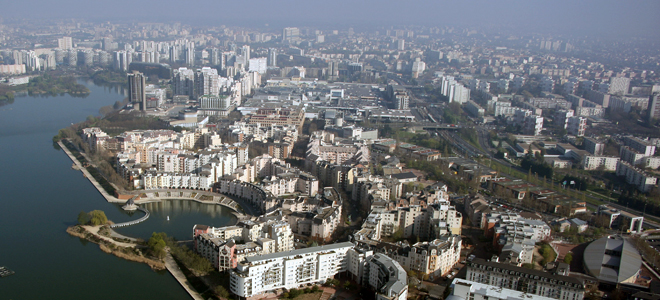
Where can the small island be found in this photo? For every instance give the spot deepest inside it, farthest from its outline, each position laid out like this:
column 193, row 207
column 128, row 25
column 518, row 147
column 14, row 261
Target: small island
column 49, row 85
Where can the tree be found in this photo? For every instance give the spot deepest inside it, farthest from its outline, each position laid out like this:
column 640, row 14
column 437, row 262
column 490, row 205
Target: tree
column 156, row 244
column 222, row 292
column 568, row 258
column 97, row 217
column 83, row 218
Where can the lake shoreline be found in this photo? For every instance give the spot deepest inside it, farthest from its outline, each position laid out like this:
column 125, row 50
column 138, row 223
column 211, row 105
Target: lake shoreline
column 109, row 246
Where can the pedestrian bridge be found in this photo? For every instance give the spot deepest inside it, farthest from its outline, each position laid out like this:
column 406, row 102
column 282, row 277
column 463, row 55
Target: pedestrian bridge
column 129, row 223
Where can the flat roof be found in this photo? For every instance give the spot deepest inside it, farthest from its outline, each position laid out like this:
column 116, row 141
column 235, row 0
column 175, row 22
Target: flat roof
column 330, row 247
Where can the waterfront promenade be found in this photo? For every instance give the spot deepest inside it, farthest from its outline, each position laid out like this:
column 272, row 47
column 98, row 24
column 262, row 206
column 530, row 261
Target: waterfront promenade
column 174, row 269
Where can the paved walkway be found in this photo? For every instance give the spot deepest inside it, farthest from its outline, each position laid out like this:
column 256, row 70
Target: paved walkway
column 115, row 234
column 95, row 231
column 174, row 269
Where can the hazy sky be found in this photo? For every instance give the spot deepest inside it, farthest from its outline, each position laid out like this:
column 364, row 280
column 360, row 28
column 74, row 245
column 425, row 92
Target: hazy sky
column 618, row 18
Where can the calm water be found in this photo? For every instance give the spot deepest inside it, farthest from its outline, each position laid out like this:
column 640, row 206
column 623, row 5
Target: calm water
column 40, row 195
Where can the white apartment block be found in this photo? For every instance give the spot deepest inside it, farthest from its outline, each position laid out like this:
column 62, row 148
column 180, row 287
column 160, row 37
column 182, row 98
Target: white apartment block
column 532, row 282
column 292, row 269
column 635, row 176
column 591, row 162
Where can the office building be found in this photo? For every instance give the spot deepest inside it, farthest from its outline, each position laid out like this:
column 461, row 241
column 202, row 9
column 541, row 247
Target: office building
column 136, row 92
column 184, row 82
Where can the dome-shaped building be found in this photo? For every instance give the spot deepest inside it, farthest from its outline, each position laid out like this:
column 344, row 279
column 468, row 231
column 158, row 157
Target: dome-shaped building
column 612, row 259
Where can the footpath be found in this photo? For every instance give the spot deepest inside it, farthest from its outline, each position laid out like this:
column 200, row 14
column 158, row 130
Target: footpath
column 174, row 269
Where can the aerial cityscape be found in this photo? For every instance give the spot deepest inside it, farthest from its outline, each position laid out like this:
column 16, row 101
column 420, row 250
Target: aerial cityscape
column 383, row 155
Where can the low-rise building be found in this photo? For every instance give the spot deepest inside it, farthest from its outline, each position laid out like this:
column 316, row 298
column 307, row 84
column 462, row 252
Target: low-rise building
column 621, row 219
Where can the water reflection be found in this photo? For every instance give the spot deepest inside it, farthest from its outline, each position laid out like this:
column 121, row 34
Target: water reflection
column 186, row 207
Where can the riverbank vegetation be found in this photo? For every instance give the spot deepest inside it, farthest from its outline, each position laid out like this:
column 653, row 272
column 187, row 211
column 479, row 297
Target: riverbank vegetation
column 6, row 95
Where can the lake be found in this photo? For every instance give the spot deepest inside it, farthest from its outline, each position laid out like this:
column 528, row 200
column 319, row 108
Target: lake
column 41, row 196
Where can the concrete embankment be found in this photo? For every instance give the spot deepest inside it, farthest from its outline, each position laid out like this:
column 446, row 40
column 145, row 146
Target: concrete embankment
column 174, row 269
column 108, row 197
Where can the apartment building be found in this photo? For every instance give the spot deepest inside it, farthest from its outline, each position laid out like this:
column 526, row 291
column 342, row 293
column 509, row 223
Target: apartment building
column 635, row 176
column 291, row 269
column 222, row 248
column 532, row 282
column 641, row 146
column 592, row 162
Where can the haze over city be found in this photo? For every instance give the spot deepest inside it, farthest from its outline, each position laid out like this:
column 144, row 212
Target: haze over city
column 612, row 19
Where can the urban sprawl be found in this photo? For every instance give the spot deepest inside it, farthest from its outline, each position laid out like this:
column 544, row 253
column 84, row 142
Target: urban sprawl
column 400, row 159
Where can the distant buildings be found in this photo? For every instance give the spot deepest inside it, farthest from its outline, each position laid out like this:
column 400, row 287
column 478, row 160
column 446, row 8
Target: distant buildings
column 290, row 34
column 65, row 43
column 399, row 96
